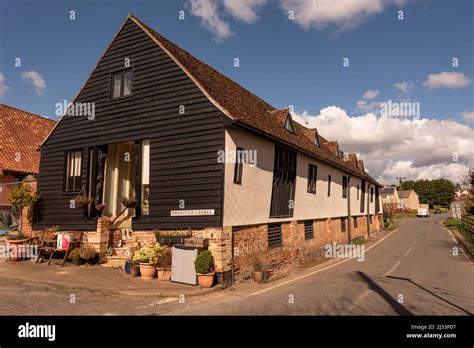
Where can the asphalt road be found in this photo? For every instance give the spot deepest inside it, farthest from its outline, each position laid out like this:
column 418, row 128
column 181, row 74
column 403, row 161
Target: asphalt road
column 411, row 271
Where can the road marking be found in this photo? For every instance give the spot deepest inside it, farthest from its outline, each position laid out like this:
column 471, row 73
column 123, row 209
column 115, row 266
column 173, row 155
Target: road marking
column 357, row 301
column 393, row 268
column 409, row 251
column 416, row 240
column 319, row 270
column 452, row 236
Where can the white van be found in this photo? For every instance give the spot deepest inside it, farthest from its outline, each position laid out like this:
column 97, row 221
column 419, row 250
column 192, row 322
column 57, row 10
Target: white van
column 423, row 212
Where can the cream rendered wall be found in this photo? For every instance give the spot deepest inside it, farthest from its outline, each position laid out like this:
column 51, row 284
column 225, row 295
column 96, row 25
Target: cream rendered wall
column 249, row 203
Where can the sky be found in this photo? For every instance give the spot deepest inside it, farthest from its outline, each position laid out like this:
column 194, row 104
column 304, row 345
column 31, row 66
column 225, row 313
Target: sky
column 391, row 80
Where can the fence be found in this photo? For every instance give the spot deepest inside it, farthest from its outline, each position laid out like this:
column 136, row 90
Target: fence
column 467, row 224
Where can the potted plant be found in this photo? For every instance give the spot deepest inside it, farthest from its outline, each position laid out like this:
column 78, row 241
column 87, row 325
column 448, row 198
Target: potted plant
column 148, row 258
column 134, row 269
column 22, row 196
column 204, row 265
column 164, row 267
column 75, row 256
column 257, row 269
column 14, row 243
column 128, row 202
column 90, row 256
column 85, row 202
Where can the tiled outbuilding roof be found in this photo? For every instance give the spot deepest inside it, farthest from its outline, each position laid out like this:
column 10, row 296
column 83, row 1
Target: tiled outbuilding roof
column 21, row 133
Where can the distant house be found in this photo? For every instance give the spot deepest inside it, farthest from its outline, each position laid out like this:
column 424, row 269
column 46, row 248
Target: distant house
column 460, row 192
column 21, row 134
column 410, row 199
column 389, row 194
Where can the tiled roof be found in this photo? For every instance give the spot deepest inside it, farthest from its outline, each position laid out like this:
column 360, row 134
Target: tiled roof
column 21, row 133
column 247, row 109
column 405, row 193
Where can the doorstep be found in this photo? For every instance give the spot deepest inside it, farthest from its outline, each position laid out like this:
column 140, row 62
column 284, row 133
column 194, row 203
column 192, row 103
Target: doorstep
column 95, row 278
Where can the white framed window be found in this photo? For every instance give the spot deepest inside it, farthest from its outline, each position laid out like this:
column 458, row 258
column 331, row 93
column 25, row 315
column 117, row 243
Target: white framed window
column 73, row 171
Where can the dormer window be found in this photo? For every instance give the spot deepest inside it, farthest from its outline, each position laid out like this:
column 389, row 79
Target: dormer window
column 289, row 124
column 316, row 140
column 121, row 84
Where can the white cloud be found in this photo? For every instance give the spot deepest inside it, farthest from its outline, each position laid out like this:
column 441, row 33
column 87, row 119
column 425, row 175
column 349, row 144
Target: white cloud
column 3, row 86
column 371, row 94
column 452, row 80
column 404, row 86
column 36, row 79
column 468, row 115
column 207, row 10
column 342, row 14
column 393, row 146
column 244, row 10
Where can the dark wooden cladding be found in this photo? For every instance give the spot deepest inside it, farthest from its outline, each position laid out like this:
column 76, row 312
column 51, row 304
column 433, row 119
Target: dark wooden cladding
column 183, row 148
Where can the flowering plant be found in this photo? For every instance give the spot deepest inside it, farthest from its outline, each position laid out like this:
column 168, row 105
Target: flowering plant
column 149, row 254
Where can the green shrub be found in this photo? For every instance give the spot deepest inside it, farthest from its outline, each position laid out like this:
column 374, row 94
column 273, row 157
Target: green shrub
column 75, row 256
column 149, row 254
column 90, row 256
column 204, row 262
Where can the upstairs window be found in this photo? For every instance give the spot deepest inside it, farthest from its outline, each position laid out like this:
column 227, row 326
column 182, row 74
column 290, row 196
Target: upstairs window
column 289, row 124
column 358, row 193
column 329, row 185
column 344, row 186
column 312, row 174
column 121, row 84
column 73, row 171
column 371, row 194
column 239, row 162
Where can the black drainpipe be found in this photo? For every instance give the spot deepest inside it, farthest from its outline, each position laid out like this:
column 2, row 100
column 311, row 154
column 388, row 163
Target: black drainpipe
column 349, row 228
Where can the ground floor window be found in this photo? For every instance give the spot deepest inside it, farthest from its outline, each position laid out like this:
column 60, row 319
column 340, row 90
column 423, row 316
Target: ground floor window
column 73, row 171
column 308, row 229
column 343, row 224
column 145, row 179
column 356, row 222
column 274, row 235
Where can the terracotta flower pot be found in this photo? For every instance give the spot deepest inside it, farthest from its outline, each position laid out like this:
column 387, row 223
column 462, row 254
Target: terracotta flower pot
column 164, row 274
column 134, row 271
column 258, row 276
column 206, row 280
column 14, row 249
column 147, row 271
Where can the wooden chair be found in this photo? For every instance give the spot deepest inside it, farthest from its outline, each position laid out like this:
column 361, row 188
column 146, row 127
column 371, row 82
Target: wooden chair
column 74, row 242
column 46, row 242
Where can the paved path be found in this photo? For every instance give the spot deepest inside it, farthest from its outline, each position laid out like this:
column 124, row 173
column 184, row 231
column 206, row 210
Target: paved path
column 410, row 271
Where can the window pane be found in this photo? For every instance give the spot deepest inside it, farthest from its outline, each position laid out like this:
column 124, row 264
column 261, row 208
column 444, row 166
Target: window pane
column 117, row 83
column 127, row 83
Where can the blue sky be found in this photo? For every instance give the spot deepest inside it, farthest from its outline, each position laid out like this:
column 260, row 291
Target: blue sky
column 286, row 62
column 279, row 60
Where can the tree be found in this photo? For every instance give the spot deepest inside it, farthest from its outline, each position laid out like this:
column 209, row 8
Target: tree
column 390, row 206
column 408, row 185
column 467, row 180
column 434, row 192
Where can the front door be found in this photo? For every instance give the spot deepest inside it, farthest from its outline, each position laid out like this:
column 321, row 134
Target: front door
column 119, row 182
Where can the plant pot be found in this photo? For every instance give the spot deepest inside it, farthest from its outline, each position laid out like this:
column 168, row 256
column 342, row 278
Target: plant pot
column 258, row 276
column 14, row 249
column 147, row 271
column 206, row 280
column 127, row 267
column 164, row 274
column 134, row 271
